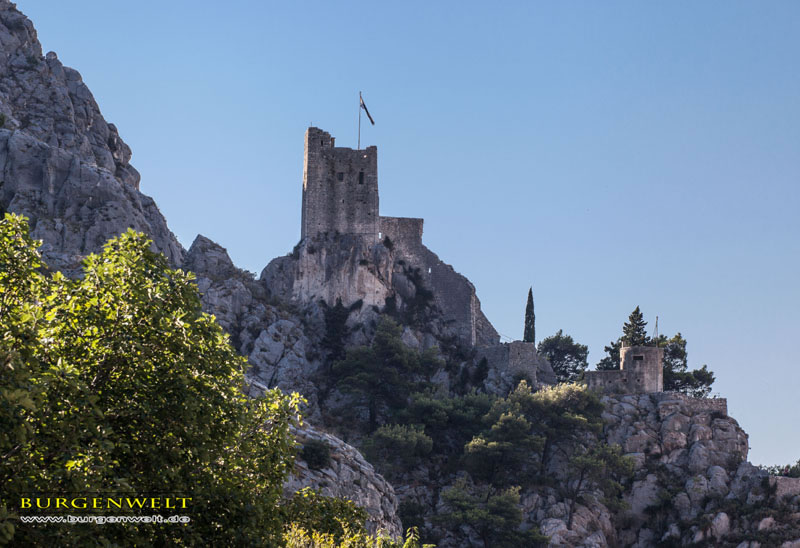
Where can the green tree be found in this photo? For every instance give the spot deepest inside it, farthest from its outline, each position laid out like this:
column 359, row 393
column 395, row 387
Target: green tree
column 382, row 375
column 601, row 469
column 611, row 361
column 298, row 537
column 118, row 382
column 677, row 376
column 567, row 357
column 527, row 428
column 634, row 330
column 501, row 455
column 493, row 515
column 450, row 422
column 311, row 511
column 396, row 448
column 336, row 330
column 529, row 334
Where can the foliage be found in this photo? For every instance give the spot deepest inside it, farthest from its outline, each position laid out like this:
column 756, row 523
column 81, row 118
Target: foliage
column 298, row 537
column 397, row 447
column 567, row 357
column 634, row 330
column 600, row 468
column 316, row 453
column 118, row 382
column 529, row 332
column 493, row 515
column 336, row 330
column 523, row 430
column 381, row 375
column 500, row 455
column 611, row 361
column 450, row 422
column 677, row 376
column 418, row 306
column 481, row 372
column 788, row 470
column 325, row 515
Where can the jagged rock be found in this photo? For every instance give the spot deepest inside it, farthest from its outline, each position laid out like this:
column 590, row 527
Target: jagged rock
column 348, row 476
column 766, row 523
column 61, row 164
column 643, row 494
column 720, row 525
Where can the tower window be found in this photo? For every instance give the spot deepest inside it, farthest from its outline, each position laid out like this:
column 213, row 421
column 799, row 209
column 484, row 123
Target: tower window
column 340, row 176
column 361, row 177
column 638, row 358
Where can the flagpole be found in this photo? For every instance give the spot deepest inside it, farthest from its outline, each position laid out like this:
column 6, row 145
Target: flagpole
column 359, row 121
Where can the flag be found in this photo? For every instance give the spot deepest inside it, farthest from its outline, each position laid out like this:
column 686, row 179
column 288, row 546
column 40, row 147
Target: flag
column 365, row 109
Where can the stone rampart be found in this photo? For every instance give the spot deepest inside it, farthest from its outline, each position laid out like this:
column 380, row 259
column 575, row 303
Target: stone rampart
column 404, row 233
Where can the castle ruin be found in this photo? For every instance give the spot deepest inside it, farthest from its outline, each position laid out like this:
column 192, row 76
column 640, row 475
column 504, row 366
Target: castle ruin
column 340, row 195
column 641, row 371
column 340, row 188
column 348, row 252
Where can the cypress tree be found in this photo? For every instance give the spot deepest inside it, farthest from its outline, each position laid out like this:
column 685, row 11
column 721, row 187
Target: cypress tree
column 529, row 334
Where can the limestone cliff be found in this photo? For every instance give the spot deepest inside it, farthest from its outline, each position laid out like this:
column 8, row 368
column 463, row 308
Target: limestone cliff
column 61, row 164
column 691, row 485
column 399, row 272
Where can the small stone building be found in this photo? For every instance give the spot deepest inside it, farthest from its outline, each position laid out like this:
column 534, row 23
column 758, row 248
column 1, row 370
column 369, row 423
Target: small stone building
column 641, row 371
column 511, row 362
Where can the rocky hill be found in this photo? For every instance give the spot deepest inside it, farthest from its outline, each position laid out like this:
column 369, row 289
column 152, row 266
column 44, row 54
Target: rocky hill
column 63, row 166
column 68, row 170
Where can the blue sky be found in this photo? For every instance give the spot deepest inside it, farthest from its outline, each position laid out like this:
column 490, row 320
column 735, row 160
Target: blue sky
column 610, row 154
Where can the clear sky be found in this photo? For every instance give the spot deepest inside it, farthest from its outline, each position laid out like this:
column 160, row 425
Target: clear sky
column 609, row 154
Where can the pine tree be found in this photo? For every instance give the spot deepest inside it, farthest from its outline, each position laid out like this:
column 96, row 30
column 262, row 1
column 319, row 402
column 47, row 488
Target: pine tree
column 529, row 334
column 633, row 331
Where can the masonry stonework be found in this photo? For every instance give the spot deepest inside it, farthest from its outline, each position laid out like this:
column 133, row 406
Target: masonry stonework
column 641, row 372
column 340, row 188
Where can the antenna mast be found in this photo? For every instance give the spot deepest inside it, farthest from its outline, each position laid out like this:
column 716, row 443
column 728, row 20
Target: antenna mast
column 655, row 334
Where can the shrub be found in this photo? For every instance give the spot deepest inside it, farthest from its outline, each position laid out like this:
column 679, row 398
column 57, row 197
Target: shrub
column 316, row 453
column 396, row 447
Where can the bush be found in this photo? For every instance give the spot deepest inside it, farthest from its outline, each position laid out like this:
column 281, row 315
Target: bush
column 321, row 514
column 118, row 382
column 397, row 448
column 316, row 453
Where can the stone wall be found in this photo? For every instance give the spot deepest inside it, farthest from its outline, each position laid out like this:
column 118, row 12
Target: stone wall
column 613, row 382
column 340, row 188
column 641, row 372
column 511, row 362
column 405, row 233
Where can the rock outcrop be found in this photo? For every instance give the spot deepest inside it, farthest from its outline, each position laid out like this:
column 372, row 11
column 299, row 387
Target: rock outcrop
column 691, row 484
column 350, row 477
column 61, row 164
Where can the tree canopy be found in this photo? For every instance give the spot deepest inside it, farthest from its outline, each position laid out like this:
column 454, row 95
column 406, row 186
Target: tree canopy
column 568, row 358
column 677, row 375
column 118, row 383
column 382, row 376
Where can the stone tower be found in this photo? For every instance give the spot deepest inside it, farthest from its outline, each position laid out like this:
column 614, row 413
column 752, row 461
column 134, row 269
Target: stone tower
column 340, row 188
column 644, row 367
column 641, row 372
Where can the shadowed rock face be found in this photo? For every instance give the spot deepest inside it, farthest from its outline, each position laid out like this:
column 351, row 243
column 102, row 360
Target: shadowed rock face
column 61, row 164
